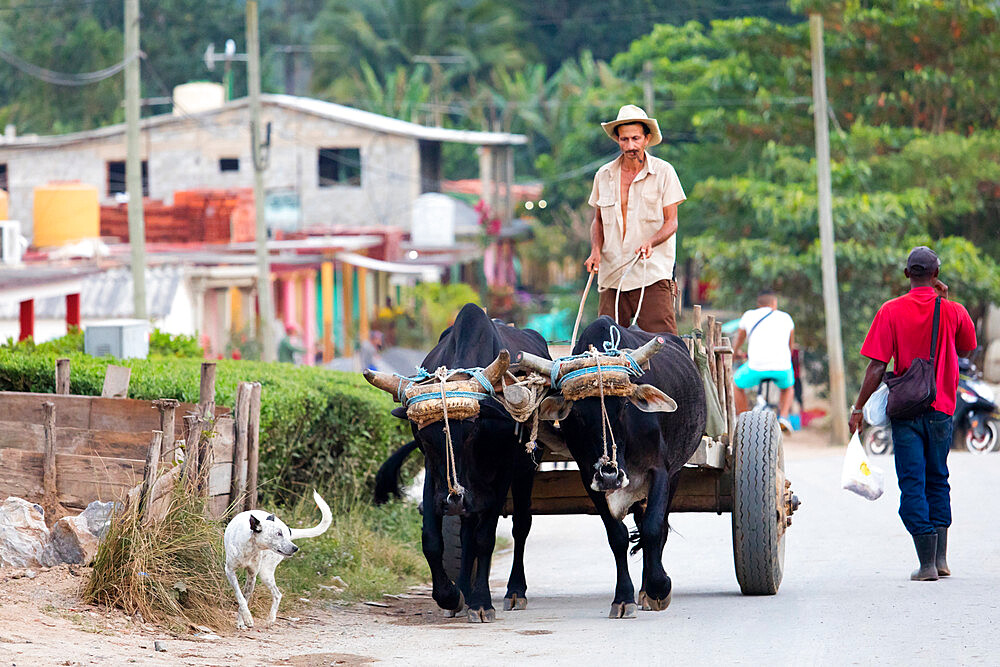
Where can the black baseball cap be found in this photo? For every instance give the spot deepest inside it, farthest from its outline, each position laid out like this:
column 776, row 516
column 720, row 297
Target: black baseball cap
column 922, row 261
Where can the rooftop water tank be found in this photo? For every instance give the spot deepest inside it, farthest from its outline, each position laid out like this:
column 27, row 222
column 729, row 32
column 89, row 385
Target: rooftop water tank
column 198, row 96
column 66, row 213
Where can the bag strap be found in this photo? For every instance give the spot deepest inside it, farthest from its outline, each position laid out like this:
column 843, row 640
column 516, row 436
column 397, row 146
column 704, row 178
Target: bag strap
column 750, row 333
column 934, row 329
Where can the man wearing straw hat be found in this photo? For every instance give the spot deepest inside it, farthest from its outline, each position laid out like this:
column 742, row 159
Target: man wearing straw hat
column 633, row 238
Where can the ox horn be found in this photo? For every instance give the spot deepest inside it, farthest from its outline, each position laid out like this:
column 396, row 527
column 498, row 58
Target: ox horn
column 495, row 371
column 535, row 363
column 384, row 381
column 643, row 354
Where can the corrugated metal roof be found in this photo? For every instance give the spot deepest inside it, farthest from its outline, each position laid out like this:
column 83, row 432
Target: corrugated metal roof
column 108, row 294
column 329, row 110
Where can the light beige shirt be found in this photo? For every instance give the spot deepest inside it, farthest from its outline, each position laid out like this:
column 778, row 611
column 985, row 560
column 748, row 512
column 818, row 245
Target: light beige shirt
column 654, row 187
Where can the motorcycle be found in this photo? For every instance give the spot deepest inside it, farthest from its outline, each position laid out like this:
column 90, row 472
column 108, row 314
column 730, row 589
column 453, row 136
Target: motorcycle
column 976, row 416
column 975, row 423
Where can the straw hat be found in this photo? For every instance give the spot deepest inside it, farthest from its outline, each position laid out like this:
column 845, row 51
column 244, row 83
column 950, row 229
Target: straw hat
column 630, row 113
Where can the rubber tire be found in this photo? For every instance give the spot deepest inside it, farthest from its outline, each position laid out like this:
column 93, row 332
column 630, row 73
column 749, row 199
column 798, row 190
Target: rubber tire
column 451, row 534
column 869, row 437
column 758, row 544
column 991, row 441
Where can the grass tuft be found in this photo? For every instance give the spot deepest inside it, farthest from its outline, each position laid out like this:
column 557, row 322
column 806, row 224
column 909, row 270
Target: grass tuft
column 171, row 571
column 166, row 571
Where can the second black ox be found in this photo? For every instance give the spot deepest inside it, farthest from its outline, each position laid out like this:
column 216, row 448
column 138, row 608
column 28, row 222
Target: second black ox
column 630, row 451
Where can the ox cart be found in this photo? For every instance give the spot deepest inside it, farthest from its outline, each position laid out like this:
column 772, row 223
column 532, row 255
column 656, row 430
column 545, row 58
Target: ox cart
column 738, row 468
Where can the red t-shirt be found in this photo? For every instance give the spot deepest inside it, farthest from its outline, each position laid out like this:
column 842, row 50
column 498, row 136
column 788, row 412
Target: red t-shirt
column 902, row 331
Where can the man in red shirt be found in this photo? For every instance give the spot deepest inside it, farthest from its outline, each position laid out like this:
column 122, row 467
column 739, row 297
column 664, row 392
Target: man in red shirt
column 902, row 331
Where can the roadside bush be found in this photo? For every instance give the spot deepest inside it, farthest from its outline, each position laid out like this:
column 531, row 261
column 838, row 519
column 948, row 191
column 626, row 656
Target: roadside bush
column 318, row 428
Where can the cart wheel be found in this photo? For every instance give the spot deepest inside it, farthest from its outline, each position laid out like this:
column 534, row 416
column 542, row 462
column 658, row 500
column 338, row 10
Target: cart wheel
column 451, row 533
column 759, row 518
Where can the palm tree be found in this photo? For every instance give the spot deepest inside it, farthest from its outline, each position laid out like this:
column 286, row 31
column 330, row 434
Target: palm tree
column 461, row 40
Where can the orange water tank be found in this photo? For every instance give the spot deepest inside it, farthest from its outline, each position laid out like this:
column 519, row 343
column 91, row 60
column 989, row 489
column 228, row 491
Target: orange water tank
column 65, row 213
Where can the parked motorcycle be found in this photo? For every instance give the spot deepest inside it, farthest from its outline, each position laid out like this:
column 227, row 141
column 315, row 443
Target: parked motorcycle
column 975, row 424
column 976, row 416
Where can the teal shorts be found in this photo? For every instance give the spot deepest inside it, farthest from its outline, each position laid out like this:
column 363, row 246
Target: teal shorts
column 745, row 378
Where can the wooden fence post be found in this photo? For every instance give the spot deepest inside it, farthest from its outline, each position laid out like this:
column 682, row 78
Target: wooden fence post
column 253, row 446
column 167, row 408
column 150, row 470
column 242, row 413
column 49, row 485
column 206, row 392
column 62, row 376
column 192, row 451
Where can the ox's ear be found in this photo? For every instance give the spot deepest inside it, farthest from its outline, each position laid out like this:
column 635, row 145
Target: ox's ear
column 254, row 524
column 648, row 398
column 554, row 408
column 399, row 412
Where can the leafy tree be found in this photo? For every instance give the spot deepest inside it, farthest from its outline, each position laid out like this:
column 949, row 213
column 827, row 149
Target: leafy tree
column 734, row 99
column 63, row 43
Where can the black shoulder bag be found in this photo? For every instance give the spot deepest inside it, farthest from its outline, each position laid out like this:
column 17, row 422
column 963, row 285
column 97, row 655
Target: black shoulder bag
column 912, row 393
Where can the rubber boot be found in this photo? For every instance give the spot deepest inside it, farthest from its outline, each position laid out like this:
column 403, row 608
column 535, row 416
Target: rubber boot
column 941, row 559
column 926, row 551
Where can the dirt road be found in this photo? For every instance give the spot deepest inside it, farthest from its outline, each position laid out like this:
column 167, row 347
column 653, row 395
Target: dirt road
column 845, row 598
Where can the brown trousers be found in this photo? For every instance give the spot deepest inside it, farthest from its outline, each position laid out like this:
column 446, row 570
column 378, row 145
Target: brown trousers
column 658, row 307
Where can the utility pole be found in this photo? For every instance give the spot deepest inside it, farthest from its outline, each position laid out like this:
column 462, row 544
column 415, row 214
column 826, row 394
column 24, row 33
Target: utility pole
column 647, row 86
column 834, row 346
column 264, row 294
column 133, row 160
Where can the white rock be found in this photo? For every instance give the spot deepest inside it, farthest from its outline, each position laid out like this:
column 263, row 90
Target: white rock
column 24, row 537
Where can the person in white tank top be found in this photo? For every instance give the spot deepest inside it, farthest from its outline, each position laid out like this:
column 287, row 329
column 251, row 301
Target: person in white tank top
column 770, row 336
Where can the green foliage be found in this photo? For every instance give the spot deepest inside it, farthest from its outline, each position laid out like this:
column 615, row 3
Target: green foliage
column 436, row 307
column 374, row 550
column 477, row 34
column 318, row 427
column 162, row 344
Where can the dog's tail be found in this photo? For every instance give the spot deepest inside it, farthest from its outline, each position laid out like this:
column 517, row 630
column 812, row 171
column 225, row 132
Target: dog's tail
column 387, row 477
column 321, row 527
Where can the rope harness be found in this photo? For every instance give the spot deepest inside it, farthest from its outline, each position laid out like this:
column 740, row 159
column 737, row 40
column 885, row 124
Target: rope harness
column 437, row 389
column 615, row 361
column 534, row 384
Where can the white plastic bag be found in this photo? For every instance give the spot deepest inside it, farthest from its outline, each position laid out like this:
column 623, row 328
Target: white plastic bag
column 875, row 409
column 858, row 476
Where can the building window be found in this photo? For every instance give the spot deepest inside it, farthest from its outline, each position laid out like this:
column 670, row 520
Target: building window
column 3, row 177
column 339, row 166
column 229, row 164
column 116, row 178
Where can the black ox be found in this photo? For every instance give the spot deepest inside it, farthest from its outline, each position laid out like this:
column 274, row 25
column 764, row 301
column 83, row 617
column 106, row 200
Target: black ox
column 489, row 459
column 656, row 430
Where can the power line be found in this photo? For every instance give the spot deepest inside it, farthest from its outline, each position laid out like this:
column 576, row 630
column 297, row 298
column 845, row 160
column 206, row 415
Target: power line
column 591, row 18
column 66, row 79
column 48, row 5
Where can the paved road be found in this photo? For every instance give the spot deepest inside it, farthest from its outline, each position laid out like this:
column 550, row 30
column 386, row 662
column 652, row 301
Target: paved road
column 846, row 596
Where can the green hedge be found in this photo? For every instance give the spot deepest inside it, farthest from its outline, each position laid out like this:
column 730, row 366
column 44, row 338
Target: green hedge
column 324, row 429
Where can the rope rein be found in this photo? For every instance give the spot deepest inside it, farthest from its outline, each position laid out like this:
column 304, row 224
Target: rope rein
column 586, row 290
column 454, row 487
column 642, row 291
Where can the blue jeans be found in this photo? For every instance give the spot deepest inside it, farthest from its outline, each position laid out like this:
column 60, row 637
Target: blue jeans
column 921, row 450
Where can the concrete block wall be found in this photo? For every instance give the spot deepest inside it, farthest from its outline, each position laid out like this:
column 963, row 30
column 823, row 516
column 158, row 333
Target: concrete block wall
column 183, row 153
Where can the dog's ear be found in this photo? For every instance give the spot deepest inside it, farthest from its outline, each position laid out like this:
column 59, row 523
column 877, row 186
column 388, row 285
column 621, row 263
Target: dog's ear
column 254, row 524
column 270, row 518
